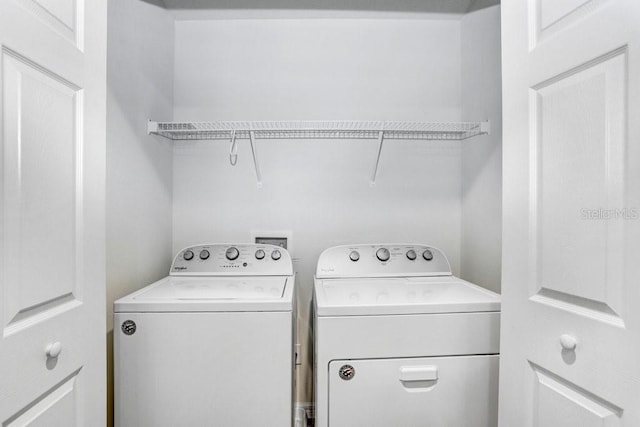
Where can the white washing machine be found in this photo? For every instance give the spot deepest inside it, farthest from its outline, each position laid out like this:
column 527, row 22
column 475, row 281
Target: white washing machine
column 400, row 341
column 211, row 344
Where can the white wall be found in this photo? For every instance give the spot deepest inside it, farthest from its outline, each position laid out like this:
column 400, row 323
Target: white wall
column 319, row 190
column 139, row 167
column 482, row 156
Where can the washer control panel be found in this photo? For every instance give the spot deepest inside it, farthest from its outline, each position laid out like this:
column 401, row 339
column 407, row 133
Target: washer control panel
column 243, row 259
column 384, row 260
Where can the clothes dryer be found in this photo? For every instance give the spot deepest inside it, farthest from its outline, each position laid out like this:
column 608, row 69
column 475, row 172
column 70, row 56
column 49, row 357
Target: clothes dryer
column 400, row 341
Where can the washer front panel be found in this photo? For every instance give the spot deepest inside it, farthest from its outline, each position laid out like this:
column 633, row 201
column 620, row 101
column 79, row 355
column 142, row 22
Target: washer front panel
column 384, row 260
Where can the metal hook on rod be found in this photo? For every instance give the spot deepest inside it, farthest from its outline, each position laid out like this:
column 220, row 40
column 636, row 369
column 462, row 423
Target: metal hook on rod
column 233, row 149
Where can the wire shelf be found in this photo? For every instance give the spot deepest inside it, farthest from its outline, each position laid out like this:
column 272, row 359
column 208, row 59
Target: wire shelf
column 380, row 131
column 317, row 130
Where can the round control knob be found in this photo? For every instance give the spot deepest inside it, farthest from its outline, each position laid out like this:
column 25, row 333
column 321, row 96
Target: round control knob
column 354, row 256
column 383, row 254
column 188, row 255
column 411, row 254
column 260, row 254
column 232, row 253
column 427, row 255
column 275, row 255
column 204, row 254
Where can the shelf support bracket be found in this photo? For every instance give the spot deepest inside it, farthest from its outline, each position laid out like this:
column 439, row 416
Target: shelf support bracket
column 252, row 138
column 375, row 170
column 152, row 127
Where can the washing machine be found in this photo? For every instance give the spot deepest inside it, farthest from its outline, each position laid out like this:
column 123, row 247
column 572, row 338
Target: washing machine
column 211, row 344
column 400, row 341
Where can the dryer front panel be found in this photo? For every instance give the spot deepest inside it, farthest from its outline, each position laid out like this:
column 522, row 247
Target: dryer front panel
column 431, row 391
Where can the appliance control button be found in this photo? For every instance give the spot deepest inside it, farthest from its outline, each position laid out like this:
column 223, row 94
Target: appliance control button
column 232, row 253
column 383, row 254
column 260, row 254
column 275, row 255
column 354, row 256
column 204, row 254
column 427, row 255
column 411, row 254
column 188, row 255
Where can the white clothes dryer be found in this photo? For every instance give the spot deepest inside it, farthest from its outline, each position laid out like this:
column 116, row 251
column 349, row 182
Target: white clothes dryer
column 211, row 344
column 400, row 341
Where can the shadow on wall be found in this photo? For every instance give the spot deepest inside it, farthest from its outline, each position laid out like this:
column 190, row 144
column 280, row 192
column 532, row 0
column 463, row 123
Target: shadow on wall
column 416, row 6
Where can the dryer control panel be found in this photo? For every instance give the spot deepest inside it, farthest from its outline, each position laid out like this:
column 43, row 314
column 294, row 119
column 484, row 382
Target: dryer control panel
column 384, row 260
column 243, row 259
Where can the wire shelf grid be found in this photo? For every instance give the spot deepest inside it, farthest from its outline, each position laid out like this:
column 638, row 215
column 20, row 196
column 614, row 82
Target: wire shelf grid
column 226, row 130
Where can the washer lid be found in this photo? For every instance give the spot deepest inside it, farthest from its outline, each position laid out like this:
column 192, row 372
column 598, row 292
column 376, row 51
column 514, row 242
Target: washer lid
column 408, row 295
column 179, row 294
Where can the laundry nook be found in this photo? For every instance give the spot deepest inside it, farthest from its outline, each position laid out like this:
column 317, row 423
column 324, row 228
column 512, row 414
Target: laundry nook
column 322, row 213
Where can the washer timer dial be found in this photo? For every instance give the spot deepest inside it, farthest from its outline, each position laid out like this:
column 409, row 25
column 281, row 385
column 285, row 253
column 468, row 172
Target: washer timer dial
column 383, row 254
column 232, row 253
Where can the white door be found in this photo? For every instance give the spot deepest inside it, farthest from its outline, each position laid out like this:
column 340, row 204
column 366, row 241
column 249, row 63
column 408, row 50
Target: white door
column 52, row 143
column 570, row 349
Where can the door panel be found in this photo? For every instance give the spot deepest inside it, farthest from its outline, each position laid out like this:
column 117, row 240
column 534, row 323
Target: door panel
column 56, row 407
column 52, row 143
column 65, row 17
column 560, row 403
column 578, row 174
column 430, row 391
column 571, row 234
column 42, row 193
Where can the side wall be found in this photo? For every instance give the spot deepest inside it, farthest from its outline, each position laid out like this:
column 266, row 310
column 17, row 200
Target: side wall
column 482, row 156
column 318, row 190
column 139, row 167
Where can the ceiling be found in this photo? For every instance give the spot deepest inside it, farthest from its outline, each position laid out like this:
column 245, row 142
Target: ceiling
column 401, row 6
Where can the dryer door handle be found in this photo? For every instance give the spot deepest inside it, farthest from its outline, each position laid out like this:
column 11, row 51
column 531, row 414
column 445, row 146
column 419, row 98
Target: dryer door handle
column 418, row 373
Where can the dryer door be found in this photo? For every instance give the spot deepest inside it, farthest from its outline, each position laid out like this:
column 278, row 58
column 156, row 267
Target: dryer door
column 432, row 391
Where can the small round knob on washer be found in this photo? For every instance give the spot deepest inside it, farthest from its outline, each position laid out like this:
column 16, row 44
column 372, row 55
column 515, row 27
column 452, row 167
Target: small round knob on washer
column 204, row 254
column 411, row 254
column 188, row 255
column 232, row 253
column 383, row 254
column 275, row 255
column 260, row 254
column 354, row 256
column 427, row 255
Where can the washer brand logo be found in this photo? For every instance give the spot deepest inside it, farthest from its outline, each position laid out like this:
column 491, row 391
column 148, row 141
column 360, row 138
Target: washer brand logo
column 129, row 327
column 179, row 268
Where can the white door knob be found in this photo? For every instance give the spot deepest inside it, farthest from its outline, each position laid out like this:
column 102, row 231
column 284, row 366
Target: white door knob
column 568, row 342
column 53, row 350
